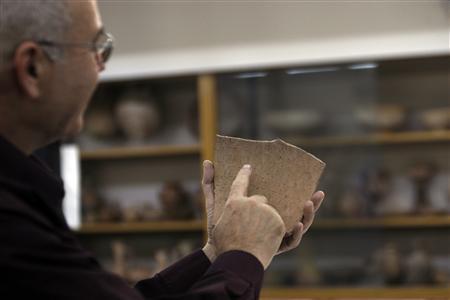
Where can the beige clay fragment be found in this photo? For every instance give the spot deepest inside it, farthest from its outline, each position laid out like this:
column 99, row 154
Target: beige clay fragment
column 285, row 174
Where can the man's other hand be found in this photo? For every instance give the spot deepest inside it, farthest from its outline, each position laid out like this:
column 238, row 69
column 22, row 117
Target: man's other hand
column 293, row 239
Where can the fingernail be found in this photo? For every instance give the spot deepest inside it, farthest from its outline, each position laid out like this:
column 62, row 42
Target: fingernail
column 247, row 166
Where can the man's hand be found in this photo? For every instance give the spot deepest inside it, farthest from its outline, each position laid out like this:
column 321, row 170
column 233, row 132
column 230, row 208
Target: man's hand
column 289, row 241
column 292, row 240
column 248, row 224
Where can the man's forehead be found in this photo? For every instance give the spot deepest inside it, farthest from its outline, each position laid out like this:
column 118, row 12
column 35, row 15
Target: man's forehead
column 85, row 16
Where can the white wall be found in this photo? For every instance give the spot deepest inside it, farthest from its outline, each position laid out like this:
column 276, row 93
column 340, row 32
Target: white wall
column 156, row 38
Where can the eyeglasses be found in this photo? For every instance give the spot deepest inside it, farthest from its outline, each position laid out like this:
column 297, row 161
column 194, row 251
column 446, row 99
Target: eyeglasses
column 102, row 45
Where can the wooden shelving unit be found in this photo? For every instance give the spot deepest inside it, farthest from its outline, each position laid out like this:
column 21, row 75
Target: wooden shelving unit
column 357, row 293
column 207, row 97
column 139, row 152
column 375, row 139
column 142, row 227
column 383, row 222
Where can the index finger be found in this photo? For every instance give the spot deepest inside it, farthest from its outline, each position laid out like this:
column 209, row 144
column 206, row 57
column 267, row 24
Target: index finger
column 239, row 187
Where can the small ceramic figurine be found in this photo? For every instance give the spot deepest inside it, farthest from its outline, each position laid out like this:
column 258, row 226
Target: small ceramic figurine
column 293, row 122
column 350, row 204
column 435, row 118
column 309, row 274
column 148, row 212
column 97, row 209
column 377, row 186
column 391, row 264
column 176, row 203
column 124, row 263
column 99, row 123
column 383, row 117
column 401, row 198
column 419, row 269
column 421, row 174
column 131, row 214
column 90, row 207
column 439, row 193
column 119, row 252
column 137, row 116
column 161, row 259
column 110, row 212
column 184, row 248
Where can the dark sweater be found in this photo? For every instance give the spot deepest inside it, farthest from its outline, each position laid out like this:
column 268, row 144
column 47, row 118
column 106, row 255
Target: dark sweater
column 41, row 258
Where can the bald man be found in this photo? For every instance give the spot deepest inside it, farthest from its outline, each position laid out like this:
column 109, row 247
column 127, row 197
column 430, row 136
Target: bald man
column 51, row 55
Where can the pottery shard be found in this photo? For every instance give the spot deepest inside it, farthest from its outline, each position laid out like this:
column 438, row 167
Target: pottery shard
column 285, row 174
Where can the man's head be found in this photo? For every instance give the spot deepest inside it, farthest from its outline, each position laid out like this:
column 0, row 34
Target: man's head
column 49, row 65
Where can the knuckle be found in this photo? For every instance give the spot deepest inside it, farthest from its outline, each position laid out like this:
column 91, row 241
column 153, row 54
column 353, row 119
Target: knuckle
column 259, row 199
column 252, row 201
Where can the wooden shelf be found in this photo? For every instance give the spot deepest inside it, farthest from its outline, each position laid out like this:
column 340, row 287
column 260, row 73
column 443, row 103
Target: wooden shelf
column 325, row 224
column 361, row 293
column 384, row 222
column 375, row 139
column 139, row 227
column 136, row 152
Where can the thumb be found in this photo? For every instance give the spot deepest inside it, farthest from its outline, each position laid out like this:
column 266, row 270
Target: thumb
column 208, row 185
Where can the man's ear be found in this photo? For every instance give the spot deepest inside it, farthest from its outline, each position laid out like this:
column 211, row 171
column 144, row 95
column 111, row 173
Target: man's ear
column 28, row 68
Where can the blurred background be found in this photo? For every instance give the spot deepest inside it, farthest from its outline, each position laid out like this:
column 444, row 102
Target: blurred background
column 363, row 85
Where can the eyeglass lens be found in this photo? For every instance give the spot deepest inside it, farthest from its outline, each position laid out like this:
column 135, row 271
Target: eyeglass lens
column 104, row 44
column 105, row 52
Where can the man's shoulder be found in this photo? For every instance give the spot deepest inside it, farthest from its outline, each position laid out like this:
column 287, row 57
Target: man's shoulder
column 18, row 206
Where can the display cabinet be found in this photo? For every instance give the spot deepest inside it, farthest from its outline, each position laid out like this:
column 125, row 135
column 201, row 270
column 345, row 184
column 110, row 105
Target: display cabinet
column 382, row 127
